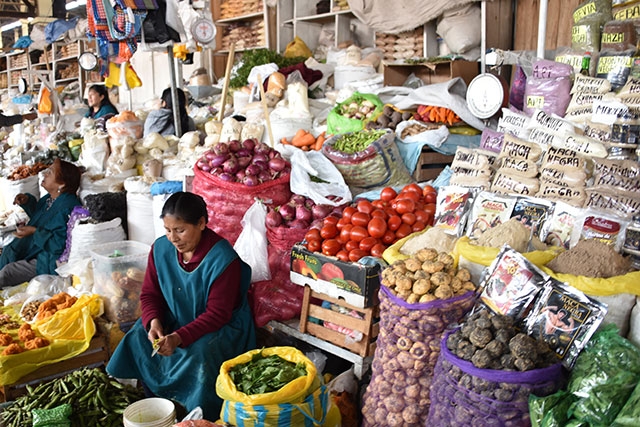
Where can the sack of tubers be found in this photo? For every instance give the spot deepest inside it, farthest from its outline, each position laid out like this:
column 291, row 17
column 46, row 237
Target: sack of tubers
column 411, row 325
column 487, row 370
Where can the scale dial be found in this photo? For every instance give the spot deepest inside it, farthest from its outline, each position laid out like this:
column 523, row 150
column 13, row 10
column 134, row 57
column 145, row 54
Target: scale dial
column 22, row 85
column 88, row 61
column 485, row 96
column 203, row 31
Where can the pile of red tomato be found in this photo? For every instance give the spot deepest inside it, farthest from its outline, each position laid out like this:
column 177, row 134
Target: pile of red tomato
column 369, row 227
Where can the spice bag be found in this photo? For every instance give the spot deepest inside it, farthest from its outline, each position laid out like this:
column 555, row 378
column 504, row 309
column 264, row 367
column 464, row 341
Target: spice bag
column 303, row 401
column 228, row 201
column 380, row 164
column 462, row 394
column 407, row 350
column 278, row 298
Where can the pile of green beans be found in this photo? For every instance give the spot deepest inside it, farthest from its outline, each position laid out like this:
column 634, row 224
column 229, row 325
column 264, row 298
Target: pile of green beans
column 357, row 141
column 96, row 399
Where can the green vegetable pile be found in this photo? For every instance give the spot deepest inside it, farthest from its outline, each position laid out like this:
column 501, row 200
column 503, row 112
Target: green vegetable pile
column 357, row 141
column 602, row 382
column 96, row 399
column 265, row 374
column 254, row 57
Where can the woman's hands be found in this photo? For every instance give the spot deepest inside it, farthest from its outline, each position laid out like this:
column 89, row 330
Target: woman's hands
column 24, row 231
column 167, row 343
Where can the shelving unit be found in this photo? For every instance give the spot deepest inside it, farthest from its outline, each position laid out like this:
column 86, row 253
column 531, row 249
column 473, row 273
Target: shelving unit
column 59, row 59
column 265, row 18
column 301, row 18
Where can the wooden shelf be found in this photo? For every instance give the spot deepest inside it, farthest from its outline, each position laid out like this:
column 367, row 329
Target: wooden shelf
column 323, row 16
column 241, row 18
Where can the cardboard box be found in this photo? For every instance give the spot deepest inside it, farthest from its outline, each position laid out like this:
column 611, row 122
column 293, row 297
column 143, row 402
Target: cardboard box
column 430, row 72
column 355, row 283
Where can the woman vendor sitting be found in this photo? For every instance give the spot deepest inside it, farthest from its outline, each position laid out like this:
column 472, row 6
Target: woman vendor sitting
column 161, row 120
column 194, row 311
column 99, row 103
column 41, row 242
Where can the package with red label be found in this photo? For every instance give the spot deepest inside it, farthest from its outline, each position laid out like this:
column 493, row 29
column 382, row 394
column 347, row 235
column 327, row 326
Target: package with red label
column 607, row 228
column 511, row 283
column 452, row 209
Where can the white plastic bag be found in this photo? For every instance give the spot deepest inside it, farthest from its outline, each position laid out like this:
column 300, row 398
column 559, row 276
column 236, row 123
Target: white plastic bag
column 251, row 245
column 433, row 137
column 314, row 163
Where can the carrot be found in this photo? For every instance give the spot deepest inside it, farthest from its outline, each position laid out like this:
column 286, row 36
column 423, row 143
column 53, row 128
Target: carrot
column 319, row 141
column 285, row 141
column 299, row 134
column 303, row 139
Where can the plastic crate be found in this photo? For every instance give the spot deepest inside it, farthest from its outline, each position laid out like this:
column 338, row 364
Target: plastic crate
column 118, row 272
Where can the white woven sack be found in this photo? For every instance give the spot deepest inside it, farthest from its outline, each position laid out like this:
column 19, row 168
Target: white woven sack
column 12, row 188
column 158, row 223
column 85, row 235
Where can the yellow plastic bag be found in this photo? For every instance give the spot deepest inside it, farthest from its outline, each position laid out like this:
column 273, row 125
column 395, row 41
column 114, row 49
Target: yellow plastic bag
column 114, row 77
column 393, row 254
column 45, row 106
column 297, row 47
column 69, row 332
column 485, row 255
column 294, row 392
column 628, row 283
column 313, row 411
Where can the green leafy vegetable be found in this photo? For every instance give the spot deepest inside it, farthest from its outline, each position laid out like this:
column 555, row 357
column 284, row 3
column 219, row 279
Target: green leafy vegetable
column 254, row 57
column 629, row 415
column 265, row 374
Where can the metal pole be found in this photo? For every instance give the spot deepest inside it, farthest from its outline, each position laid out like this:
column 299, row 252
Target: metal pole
column 483, row 37
column 542, row 28
column 174, row 93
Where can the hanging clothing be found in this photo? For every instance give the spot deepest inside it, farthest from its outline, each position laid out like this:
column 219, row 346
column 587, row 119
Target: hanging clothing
column 190, row 373
column 50, row 218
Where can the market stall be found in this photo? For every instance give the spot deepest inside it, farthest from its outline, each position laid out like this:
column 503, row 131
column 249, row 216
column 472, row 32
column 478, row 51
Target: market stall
column 468, row 244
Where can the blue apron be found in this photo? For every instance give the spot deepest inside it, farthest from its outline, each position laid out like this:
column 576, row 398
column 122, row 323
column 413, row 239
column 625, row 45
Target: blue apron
column 189, row 374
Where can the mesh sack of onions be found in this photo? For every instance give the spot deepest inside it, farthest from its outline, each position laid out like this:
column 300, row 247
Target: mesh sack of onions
column 407, row 349
column 462, row 394
column 287, row 224
column 231, row 175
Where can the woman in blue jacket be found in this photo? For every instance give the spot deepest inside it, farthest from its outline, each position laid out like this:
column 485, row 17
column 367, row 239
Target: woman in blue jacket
column 99, row 103
column 41, row 242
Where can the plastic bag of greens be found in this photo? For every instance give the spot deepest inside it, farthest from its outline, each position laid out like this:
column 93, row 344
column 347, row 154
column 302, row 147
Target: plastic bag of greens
column 604, row 376
column 629, row 415
column 550, row 410
column 54, row 417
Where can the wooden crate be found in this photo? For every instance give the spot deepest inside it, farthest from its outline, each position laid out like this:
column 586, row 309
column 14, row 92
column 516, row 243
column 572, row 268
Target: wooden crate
column 367, row 325
column 95, row 356
column 430, row 164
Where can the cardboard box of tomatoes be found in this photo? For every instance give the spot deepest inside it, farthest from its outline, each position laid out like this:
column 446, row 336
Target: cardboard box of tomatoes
column 356, row 283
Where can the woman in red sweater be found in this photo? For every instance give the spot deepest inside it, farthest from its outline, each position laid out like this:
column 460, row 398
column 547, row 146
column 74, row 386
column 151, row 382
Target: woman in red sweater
column 194, row 308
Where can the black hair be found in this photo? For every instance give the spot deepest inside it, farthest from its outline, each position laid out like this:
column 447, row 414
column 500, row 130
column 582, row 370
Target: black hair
column 101, row 90
column 182, row 107
column 69, row 174
column 188, row 207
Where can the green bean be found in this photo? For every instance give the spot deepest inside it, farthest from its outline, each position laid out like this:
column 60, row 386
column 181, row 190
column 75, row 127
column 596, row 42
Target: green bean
column 355, row 142
column 96, row 399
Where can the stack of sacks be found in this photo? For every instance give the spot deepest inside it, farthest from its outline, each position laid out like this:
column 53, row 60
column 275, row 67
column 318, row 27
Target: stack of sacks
column 405, row 45
column 244, row 36
column 234, row 8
